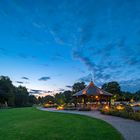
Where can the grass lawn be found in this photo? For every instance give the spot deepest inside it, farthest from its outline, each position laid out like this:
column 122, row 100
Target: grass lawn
column 33, row 124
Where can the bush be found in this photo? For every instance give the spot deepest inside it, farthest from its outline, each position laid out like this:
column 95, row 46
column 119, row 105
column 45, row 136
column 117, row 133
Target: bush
column 135, row 116
column 69, row 107
column 49, row 105
column 84, row 109
column 122, row 113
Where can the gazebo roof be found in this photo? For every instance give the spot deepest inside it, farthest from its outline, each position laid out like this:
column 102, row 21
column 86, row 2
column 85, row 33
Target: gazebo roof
column 92, row 90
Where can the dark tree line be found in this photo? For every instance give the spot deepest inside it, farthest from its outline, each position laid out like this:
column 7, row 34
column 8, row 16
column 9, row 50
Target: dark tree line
column 19, row 96
column 118, row 94
column 12, row 96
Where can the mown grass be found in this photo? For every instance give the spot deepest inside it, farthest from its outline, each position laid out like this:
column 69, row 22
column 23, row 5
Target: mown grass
column 33, row 124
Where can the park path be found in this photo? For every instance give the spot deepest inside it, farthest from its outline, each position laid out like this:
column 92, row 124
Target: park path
column 130, row 129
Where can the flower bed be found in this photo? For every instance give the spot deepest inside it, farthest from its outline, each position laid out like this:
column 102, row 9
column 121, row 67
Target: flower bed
column 127, row 112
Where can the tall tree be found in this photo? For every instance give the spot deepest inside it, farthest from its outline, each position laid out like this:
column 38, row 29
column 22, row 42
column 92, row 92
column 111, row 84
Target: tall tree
column 59, row 98
column 68, row 96
column 137, row 95
column 22, row 96
column 78, row 86
column 6, row 91
column 112, row 87
column 48, row 99
column 32, row 100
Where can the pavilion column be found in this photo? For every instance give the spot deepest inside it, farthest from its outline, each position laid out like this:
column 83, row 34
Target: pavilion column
column 84, row 101
column 100, row 100
column 109, row 101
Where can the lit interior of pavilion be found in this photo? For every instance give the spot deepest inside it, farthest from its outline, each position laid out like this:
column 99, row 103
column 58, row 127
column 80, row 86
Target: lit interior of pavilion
column 92, row 97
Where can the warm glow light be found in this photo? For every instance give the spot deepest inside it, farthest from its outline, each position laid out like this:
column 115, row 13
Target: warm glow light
column 107, row 107
column 46, row 105
column 61, row 107
column 119, row 107
column 132, row 100
column 131, row 105
column 96, row 97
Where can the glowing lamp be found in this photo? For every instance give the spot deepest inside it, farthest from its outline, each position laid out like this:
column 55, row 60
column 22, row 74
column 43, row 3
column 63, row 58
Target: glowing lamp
column 120, row 107
column 96, row 97
column 61, row 107
column 106, row 107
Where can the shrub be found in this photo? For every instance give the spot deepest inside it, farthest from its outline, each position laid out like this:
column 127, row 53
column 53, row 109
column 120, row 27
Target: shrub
column 136, row 116
column 49, row 105
column 84, row 109
column 69, row 107
column 122, row 113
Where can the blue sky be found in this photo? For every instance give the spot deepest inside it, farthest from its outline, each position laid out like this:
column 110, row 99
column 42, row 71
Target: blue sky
column 48, row 45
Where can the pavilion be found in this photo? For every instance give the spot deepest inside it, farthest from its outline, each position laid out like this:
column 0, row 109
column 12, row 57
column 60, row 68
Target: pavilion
column 92, row 96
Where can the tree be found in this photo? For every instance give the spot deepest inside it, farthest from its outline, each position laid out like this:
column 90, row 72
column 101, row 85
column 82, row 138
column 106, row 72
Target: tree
column 40, row 100
column 112, row 87
column 67, row 96
column 21, row 96
column 78, row 86
column 6, row 91
column 137, row 95
column 14, row 96
column 48, row 99
column 59, row 98
column 126, row 96
column 32, row 100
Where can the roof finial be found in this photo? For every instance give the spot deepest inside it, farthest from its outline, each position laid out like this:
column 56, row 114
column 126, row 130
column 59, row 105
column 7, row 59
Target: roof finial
column 91, row 79
column 93, row 76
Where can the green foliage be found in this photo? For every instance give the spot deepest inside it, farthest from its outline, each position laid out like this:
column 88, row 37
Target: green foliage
column 137, row 96
column 69, row 107
column 59, row 98
column 112, row 87
column 33, row 124
column 126, row 113
column 14, row 96
column 6, row 91
column 48, row 99
column 78, row 86
column 33, row 99
column 21, row 98
column 115, row 89
column 67, row 96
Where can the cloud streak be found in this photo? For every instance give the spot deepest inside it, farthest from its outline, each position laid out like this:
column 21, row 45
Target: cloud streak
column 44, row 78
column 25, row 78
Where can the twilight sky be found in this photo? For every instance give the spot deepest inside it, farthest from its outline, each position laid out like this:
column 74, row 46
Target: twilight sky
column 47, row 45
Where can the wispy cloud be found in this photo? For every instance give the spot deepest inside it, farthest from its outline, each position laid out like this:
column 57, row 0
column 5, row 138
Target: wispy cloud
column 68, row 86
column 58, row 39
column 25, row 78
column 39, row 92
column 19, row 82
column 44, row 78
column 60, row 90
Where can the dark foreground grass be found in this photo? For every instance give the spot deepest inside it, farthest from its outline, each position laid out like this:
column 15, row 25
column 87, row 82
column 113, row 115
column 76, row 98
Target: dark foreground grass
column 33, row 124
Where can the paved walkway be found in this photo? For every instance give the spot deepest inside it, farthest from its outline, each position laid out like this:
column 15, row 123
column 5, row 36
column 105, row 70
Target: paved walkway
column 128, row 128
